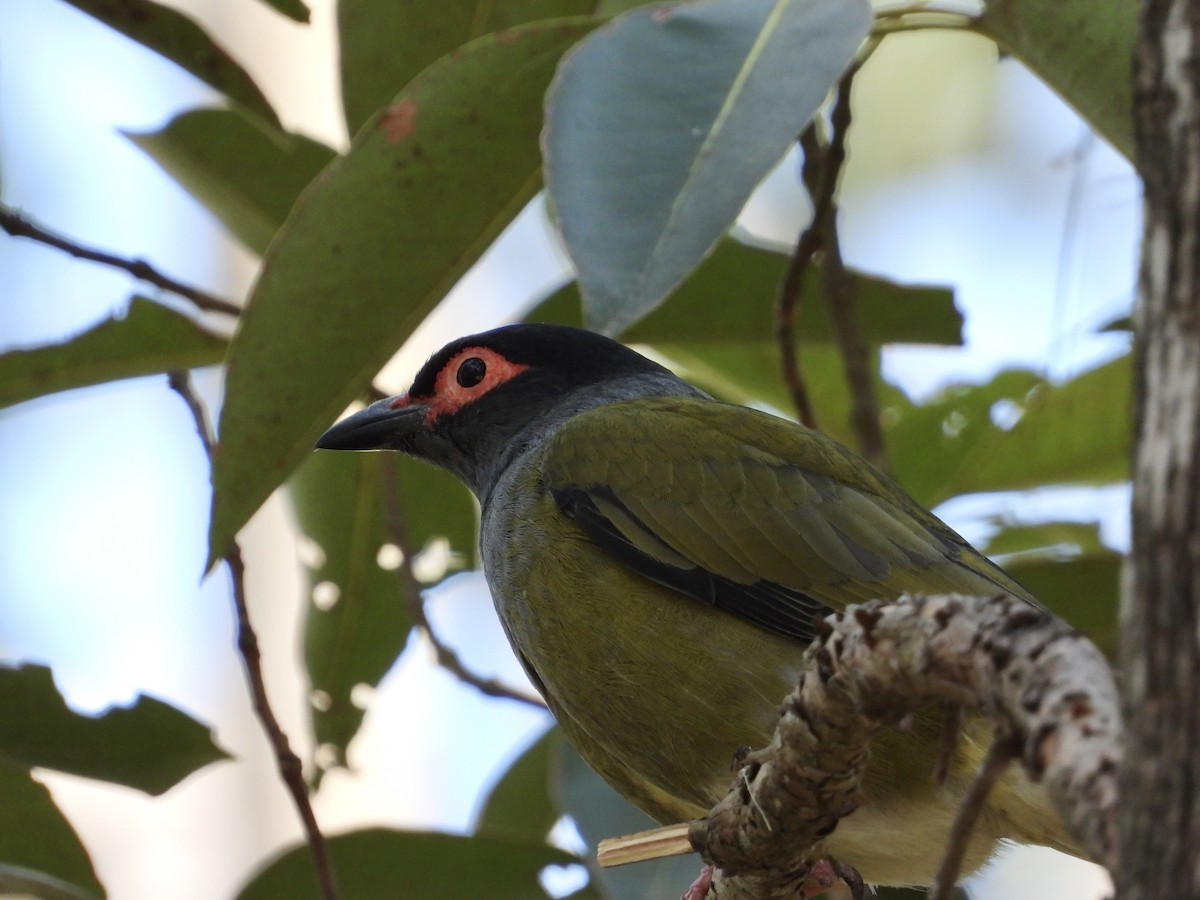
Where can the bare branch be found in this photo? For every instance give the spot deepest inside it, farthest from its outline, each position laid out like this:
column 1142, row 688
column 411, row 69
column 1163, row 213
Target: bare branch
column 445, row 655
column 291, row 771
column 820, row 173
column 1045, row 687
column 792, row 286
column 839, row 290
column 19, row 226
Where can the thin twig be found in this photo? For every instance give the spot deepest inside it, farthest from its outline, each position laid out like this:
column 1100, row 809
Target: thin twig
column 445, row 655
column 1000, row 756
column 19, row 226
column 790, row 289
column 839, row 290
column 291, row 771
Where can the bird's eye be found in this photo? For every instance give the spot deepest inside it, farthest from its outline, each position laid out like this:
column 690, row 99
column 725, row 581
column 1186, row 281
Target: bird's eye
column 471, row 371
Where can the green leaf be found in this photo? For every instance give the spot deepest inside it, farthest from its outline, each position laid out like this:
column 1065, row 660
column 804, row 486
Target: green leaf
column 148, row 339
column 175, row 36
column 378, row 863
column 246, row 174
column 385, row 43
column 1081, row 49
column 40, row 854
column 1074, row 433
column 354, row 634
column 600, row 812
column 731, row 298
column 520, row 806
column 150, row 745
column 295, row 10
column 372, row 247
column 660, row 125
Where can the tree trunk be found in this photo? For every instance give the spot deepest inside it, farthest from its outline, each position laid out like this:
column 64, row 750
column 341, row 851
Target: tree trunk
column 1160, row 655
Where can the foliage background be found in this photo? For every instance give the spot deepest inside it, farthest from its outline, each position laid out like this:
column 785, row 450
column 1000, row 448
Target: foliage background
column 963, row 172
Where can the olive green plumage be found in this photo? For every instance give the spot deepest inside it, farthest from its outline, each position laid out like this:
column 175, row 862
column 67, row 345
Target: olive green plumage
column 656, row 558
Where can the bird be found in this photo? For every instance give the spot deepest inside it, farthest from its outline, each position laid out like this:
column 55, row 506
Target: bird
column 657, row 558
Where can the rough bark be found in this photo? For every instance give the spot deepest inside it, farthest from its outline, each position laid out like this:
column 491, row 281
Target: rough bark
column 1159, row 826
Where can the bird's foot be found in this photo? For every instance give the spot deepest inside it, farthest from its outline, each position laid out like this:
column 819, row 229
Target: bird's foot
column 698, row 889
column 828, row 876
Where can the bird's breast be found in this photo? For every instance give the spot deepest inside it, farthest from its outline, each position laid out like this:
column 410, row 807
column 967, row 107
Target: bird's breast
column 656, row 690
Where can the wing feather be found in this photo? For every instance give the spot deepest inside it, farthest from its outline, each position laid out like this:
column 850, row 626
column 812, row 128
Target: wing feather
column 752, row 513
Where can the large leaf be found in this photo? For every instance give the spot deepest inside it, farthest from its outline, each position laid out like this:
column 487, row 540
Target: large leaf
column 175, row 36
column 150, row 745
column 659, row 126
column 385, row 43
column 148, row 339
column 372, row 247
column 965, row 440
column 40, row 854
column 1081, row 48
column 358, row 619
column 731, row 298
column 248, row 175
column 377, row 863
column 520, row 806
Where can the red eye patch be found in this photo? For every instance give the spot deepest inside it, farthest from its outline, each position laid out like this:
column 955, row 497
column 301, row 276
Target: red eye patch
column 449, row 393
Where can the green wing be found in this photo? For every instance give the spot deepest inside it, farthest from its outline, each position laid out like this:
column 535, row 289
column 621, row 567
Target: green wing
column 754, row 514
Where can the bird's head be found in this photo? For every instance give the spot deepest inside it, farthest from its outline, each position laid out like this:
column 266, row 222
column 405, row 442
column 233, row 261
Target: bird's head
column 480, row 399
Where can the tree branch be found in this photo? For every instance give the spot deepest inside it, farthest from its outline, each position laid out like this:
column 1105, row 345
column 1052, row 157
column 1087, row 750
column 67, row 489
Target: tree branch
column 1160, row 618
column 444, row 654
column 19, row 226
column 840, row 294
column 790, row 289
column 291, row 771
column 820, row 172
column 1049, row 692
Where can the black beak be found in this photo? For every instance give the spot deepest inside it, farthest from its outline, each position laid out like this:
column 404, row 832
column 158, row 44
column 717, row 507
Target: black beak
column 384, row 425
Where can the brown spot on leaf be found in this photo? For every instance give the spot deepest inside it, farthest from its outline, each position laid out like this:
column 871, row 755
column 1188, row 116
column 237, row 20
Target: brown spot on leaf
column 399, row 121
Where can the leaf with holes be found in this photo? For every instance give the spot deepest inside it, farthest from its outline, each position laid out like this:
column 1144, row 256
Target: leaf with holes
column 358, row 617
column 149, row 745
column 1016, row 432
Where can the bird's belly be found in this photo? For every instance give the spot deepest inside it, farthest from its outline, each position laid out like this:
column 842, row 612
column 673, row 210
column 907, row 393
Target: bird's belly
column 656, row 690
